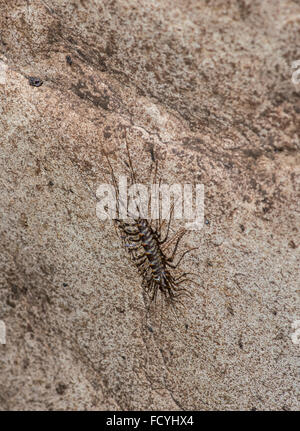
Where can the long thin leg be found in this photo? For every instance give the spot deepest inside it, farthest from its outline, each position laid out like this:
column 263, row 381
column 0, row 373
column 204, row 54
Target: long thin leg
column 114, row 183
column 161, row 312
column 177, row 264
column 174, row 310
column 154, row 294
column 168, row 227
column 178, row 234
column 169, row 222
column 188, row 279
column 184, row 274
column 170, row 259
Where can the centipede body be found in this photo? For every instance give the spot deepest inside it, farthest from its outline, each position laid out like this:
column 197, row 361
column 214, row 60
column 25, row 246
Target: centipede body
column 145, row 245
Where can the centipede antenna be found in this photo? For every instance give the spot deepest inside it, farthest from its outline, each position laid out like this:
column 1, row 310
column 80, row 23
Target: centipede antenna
column 158, row 221
column 114, row 183
column 169, row 223
column 133, row 179
column 150, row 200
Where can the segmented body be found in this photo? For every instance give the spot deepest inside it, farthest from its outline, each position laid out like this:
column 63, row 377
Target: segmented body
column 144, row 246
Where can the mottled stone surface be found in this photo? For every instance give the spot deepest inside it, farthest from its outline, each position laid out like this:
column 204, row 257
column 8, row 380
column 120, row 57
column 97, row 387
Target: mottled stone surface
column 207, row 85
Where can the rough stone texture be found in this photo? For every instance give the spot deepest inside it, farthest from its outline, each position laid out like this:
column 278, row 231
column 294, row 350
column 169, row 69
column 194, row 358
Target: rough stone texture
column 208, row 85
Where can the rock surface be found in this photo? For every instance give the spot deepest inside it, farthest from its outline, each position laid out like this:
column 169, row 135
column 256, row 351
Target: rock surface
column 208, row 87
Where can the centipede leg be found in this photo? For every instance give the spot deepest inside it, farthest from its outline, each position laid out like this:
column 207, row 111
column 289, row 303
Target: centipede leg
column 168, row 227
column 186, row 252
column 184, row 274
column 188, row 280
column 170, row 259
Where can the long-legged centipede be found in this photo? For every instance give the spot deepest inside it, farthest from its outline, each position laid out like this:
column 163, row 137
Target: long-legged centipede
column 146, row 247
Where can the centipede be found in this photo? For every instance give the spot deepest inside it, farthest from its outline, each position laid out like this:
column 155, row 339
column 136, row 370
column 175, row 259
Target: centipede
column 147, row 247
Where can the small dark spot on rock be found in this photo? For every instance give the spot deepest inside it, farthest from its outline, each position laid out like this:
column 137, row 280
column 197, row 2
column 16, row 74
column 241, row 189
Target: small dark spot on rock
column 25, row 363
column 274, row 312
column 50, row 183
column 292, row 244
column 65, row 284
column 69, row 60
column 10, row 303
column 206, row 221
column 152, row 155
column 230, row 310
column 297, row 108
column 278, row 149
column 34, row 81
column 253, row 409
column 253, row 183
column 61, row 388
column 107, row 135
column 23, row 220
column 47, row 299
column 242, row 227
column 253, row 153
column 16, row 291
column 95, row 385
column 150, row 329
